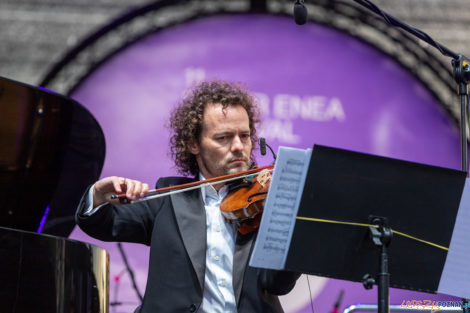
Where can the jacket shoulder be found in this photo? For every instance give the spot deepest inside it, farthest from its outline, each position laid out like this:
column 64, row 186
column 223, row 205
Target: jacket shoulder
column 172, row 181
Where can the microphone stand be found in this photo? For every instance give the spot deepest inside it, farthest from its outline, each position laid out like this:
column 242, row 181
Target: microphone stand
column 460, row 64
column 461, row 73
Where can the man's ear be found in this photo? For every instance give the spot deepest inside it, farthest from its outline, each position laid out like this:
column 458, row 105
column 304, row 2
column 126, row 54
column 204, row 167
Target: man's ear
column 194, row 147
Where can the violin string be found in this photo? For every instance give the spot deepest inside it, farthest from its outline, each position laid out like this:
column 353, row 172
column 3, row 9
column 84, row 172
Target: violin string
column 194, row 187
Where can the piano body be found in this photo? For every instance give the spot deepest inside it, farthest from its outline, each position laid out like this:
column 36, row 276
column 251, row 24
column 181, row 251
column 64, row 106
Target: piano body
column 51, row 149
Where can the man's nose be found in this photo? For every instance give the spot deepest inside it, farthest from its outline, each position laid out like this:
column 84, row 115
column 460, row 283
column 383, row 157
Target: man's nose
column 237, row 144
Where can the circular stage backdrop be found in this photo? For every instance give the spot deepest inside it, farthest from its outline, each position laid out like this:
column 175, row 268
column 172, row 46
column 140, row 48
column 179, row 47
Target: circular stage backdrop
column 314, row 85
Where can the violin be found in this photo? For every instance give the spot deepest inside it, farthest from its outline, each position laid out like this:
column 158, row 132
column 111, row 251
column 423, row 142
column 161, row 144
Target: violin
column 244, row 202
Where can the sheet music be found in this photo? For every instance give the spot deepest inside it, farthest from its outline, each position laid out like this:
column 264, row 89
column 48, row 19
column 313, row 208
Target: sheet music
column 280, row 209
column 455, row 277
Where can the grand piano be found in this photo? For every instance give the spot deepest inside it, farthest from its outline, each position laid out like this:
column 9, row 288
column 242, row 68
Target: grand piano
column 51, row 149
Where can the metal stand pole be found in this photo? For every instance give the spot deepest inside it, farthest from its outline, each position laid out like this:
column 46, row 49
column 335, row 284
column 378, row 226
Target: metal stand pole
column 381, row 236
column 384, row 281
column 461, row 76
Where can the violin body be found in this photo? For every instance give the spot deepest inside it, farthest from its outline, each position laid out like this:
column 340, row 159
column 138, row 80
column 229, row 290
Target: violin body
column 245, row 202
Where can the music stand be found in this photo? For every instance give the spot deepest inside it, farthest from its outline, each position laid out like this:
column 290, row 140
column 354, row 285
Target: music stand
column 344, row 186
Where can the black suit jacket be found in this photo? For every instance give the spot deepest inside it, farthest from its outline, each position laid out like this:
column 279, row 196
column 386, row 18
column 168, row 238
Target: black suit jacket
column 175, row 229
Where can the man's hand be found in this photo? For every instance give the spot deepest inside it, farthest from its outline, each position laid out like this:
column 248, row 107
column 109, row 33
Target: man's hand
column 106, row 187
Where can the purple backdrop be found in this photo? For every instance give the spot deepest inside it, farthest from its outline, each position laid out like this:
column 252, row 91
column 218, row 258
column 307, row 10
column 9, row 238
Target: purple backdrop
column 314, row 85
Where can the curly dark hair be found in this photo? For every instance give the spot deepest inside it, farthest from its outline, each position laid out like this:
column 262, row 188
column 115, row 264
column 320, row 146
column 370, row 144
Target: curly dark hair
column 186, row 119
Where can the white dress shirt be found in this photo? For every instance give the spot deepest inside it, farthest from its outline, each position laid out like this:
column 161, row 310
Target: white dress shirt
column 218, row 295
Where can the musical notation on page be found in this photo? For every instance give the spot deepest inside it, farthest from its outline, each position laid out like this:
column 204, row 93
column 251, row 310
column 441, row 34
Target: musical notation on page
column 280, row 209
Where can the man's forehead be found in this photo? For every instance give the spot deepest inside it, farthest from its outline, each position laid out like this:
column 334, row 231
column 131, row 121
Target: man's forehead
column 217, row 117
column 220, row 108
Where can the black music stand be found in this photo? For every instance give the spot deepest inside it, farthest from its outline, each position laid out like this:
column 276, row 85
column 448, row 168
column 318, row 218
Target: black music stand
column 416, row 199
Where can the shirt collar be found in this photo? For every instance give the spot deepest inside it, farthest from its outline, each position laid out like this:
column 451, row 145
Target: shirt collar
column 208, row 191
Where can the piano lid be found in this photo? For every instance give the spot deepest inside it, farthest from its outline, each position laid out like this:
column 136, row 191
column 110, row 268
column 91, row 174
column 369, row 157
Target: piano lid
column 51, row 149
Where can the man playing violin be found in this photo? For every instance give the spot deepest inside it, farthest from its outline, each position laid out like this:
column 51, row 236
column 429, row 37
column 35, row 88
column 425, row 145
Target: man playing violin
column 198, row 260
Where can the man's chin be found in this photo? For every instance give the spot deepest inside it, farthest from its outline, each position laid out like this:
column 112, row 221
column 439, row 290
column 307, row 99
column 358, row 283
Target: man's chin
column 237, row 169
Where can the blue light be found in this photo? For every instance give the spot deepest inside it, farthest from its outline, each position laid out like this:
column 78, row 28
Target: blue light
column 43, row 220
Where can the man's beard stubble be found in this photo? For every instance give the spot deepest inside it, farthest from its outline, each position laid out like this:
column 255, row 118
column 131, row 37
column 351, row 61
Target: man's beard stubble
column 225, row 169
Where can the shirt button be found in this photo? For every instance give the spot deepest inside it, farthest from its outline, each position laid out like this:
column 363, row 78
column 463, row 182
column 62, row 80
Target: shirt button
column 217, row 258
column 223, row 284
column 217, row 228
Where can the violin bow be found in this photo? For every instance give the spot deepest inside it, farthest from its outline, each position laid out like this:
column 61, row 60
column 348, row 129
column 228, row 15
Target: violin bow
column 166, row 191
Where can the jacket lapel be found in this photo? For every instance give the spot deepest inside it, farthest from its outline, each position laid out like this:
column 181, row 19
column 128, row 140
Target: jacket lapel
column 240, row 261
column 191, row 219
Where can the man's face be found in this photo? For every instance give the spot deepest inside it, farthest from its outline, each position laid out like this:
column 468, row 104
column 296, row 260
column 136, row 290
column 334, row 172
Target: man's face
column 225, row 144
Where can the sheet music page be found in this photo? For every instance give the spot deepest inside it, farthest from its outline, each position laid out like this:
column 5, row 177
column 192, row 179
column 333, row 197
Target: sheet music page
column 280, row 209
column 455, row 277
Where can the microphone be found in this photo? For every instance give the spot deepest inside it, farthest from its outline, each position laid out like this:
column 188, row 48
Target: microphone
column 262, row 146
column 300, row 12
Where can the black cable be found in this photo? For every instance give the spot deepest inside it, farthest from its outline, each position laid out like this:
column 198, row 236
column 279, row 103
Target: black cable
column 129, row 270
column 391, row 20
column 274, row 154
column 310, row 292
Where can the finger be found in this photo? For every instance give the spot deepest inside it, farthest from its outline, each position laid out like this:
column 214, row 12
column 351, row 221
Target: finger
column 130, row 188
column 137, row 189
column 117, row 182
column 145, row 189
